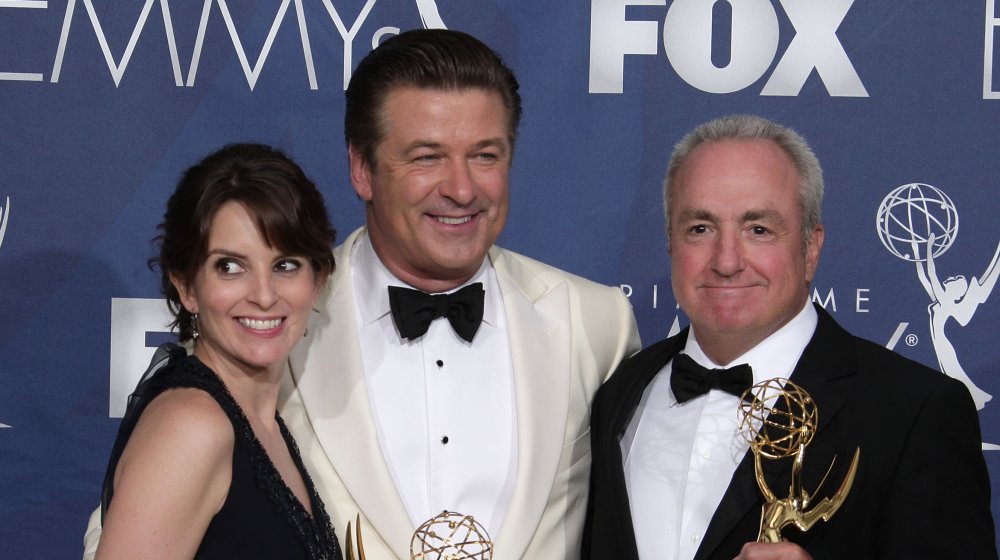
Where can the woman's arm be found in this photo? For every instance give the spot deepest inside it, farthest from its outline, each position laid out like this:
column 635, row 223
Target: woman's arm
column 172, row 478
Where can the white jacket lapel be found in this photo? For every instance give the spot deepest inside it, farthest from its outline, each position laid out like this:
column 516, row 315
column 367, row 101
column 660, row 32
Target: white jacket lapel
column 540, row 342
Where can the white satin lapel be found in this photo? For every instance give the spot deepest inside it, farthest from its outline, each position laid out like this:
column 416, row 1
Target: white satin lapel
column 329, row 375
column 540, row 341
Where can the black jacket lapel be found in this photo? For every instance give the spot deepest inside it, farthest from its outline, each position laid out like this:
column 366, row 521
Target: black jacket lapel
column 820, row 365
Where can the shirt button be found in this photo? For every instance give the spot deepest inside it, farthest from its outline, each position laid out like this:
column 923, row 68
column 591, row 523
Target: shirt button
column 706, row 453
column 444, row 440
column 695, row 537
column 440, row 363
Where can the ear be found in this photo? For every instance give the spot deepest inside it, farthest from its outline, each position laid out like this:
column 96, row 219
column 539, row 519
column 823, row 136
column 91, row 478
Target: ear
column 813, row 249
column 187, row 295
column 361, row 173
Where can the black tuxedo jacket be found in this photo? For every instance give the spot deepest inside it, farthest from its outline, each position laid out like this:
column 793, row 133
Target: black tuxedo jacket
column 922, row 489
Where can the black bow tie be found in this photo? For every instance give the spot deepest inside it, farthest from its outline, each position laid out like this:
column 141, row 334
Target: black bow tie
column 688, row 379
column 413, row 310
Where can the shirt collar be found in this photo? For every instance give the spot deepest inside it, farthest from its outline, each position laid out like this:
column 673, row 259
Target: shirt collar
column 372, row 278
column 776, row 355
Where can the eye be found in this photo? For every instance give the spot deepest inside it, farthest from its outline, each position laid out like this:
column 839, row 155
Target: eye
column 288, row 265
column 698, row 229
column 228, row 267
column 426, row 158
column 759, row 230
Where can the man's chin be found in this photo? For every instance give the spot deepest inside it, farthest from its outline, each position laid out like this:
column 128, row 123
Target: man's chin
column 733, row 328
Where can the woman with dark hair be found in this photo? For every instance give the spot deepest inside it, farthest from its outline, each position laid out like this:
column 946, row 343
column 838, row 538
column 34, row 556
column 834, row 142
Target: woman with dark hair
column 203, row 466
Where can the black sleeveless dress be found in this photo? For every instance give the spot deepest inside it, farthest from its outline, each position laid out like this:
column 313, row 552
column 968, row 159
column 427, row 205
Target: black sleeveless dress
column 261, row 517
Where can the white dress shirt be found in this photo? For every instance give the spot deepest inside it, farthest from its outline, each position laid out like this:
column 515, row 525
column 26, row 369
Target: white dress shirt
column 680, row 458
column 443, row 407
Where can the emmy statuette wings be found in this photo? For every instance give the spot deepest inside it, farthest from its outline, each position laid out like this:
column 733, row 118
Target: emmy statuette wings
column 351, row 555
column 446, row 536
column 779, row 419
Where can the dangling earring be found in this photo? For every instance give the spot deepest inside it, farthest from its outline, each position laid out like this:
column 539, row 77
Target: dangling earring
column 194, row 327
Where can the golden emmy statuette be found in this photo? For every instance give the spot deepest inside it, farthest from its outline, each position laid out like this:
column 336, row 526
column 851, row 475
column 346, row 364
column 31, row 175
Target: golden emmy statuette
column 451, row 536
column 446, row 536
column 778, row 418
column 351, row 555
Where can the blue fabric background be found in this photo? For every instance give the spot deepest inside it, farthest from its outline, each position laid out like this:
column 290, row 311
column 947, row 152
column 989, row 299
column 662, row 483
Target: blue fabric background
column 88, row 158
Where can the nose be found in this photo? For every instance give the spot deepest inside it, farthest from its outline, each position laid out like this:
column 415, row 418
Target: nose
column 459, row 185
column 727, row 260
column 262, row 290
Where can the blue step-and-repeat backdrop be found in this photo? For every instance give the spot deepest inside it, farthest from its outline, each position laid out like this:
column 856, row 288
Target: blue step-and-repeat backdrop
column 104, row 102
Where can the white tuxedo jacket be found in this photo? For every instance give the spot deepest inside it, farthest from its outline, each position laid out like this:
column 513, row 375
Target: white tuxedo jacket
column 567, row 335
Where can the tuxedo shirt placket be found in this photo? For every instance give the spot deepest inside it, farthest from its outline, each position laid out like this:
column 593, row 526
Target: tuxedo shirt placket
column 443, row 408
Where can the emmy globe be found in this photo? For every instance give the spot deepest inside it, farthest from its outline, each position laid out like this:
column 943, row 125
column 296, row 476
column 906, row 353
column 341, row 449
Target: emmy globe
column 446, row 536
column 778, row 419
column 451, row 536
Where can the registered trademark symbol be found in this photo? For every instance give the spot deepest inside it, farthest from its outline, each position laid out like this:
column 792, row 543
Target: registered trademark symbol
column 912, row 340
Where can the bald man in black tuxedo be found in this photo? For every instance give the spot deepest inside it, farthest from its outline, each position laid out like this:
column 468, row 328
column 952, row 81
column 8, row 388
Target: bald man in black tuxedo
column 671, row 477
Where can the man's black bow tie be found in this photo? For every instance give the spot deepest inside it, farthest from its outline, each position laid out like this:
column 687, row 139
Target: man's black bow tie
column 688, row 379
column 413, row 310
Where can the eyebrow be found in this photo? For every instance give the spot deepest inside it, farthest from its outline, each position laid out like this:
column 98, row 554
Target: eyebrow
column 697, row 214
column 748, row 216
column 760, row 215
column 240, row 256
column 224, row 253
column 417, row 144
column 500, row 143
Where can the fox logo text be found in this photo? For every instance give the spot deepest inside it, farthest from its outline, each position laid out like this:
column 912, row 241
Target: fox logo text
column 752, row 45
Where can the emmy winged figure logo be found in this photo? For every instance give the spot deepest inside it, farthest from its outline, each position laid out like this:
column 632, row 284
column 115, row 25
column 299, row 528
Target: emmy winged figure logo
column 429, row 15
column 4, row 219
column 918, row 223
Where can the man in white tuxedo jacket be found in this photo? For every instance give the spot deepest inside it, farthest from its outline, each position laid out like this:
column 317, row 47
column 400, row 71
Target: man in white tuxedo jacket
column 481, row 408
column 565, row 333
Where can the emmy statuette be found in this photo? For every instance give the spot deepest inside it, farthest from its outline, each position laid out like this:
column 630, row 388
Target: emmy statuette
column 779, row 419
column 446, row 536
column 351, row 555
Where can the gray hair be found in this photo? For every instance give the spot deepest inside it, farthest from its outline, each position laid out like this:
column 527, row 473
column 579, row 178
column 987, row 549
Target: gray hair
column 751, row 127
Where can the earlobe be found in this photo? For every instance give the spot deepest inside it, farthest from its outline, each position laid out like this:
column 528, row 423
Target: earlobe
column 813, row 251
column 360, row 173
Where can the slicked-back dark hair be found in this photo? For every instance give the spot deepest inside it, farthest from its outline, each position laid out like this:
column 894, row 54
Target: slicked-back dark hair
column 439, row 59
column 285, row 205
